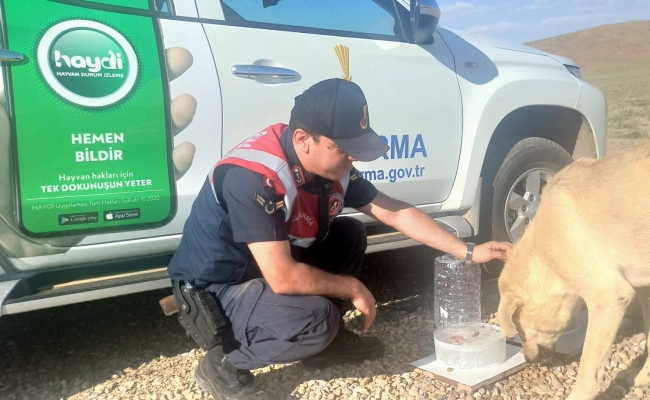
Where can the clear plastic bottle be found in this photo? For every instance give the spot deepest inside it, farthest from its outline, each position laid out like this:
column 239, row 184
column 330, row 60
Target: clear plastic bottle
column 457, row 299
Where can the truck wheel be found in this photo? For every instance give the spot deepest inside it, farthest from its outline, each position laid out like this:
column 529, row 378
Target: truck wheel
column 519, row 182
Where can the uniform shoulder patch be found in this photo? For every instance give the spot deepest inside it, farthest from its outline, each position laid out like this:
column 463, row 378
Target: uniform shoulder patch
column 355, row 174
column 269, row 206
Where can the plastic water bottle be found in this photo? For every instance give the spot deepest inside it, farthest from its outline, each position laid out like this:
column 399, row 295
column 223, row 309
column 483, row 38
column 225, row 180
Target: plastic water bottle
column 457, row 298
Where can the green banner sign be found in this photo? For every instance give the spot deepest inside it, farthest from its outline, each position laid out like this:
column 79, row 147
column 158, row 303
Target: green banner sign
column 92, row 128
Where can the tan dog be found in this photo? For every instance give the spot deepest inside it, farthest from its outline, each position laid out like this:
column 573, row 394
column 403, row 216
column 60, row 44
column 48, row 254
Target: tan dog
column 590, row 241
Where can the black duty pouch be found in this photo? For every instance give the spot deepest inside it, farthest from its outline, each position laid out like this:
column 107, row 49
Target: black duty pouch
column 201, row 315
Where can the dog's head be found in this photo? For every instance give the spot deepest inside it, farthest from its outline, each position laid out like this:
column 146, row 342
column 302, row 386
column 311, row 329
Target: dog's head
column 534, row 305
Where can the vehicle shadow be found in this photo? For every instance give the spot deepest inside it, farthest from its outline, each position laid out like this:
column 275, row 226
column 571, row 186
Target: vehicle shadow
column 94, row 348
column 61, row 351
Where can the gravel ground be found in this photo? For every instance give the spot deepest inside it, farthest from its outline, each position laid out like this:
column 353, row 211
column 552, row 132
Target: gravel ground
column 125, row 348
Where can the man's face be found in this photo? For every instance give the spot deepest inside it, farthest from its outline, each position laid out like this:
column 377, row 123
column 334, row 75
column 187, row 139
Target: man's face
column 326, row 159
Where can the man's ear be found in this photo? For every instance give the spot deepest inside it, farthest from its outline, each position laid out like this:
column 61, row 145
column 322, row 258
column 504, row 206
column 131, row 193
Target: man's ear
column 507, row 307
column 301, row 139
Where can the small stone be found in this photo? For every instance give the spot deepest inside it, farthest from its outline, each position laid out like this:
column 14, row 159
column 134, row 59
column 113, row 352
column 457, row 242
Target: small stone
column 365, row 382
column 367, row 362
column 638, row 392
column 99, row 388
column 625, row 359
column 571, row 372
column 544, row 390
column 361, row 390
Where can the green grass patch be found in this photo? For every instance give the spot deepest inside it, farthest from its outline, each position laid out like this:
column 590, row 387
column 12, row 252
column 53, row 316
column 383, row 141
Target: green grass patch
column 628, row 98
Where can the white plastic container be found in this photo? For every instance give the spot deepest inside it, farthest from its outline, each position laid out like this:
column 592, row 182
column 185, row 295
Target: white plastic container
column 481, row 347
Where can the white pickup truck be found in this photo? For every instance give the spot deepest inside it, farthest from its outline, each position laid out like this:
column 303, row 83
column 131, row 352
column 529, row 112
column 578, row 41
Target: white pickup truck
column 114, row 111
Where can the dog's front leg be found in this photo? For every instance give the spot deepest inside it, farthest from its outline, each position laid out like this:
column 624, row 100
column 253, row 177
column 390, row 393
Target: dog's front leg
column 605, row 315
column 643, row 377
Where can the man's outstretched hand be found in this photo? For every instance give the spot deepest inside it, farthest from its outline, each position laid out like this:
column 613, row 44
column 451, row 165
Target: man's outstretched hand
column 492, row 250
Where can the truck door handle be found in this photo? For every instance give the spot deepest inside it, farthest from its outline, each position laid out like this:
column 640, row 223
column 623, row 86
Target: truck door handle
column 10, row 56
column 252, row 71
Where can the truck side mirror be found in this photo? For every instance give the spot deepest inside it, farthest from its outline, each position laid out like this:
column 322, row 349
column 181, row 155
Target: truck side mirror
column 425, row 15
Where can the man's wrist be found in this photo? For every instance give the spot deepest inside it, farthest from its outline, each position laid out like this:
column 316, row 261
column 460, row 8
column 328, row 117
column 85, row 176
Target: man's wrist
column 460, row 250
column 469, row 252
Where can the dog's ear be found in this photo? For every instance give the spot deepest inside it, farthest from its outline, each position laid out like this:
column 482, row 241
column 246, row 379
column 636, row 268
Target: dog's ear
column 507, row 307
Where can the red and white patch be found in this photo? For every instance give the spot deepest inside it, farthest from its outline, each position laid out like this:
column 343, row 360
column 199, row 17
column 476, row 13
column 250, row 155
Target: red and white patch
column 335, row 204
column 268, row 183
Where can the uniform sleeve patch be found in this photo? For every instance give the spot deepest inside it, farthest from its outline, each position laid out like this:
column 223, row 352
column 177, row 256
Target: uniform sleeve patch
column 269, row 206
column 268, row 182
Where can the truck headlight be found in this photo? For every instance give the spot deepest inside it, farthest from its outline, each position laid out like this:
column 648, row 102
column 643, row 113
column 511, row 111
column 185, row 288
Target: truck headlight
column 575, row 71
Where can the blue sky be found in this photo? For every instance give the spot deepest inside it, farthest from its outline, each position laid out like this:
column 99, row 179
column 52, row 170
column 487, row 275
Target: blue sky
column 526, row 20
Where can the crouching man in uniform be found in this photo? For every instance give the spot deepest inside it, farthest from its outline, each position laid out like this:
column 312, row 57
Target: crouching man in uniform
column 264, row 240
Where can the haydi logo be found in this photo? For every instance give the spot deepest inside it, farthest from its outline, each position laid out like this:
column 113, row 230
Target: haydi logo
column 112, row 61
column 87, row 63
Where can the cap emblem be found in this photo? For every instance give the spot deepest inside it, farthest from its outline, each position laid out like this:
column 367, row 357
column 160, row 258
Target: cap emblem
column 364, row 120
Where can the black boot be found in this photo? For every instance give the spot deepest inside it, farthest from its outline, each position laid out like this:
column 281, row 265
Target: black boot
column 346, row 348
column 223, row 381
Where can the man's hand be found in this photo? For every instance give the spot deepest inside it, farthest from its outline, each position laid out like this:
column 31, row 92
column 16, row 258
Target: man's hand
column 365, row 302
column 492, row 250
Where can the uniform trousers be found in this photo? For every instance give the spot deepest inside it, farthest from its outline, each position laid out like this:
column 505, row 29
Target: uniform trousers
column 269, row 328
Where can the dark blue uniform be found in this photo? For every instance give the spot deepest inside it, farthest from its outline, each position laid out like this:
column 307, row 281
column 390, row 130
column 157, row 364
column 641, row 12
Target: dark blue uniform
column 268, row 328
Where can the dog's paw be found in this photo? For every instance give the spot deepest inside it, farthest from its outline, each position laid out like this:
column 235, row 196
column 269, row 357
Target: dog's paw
column 578, row 394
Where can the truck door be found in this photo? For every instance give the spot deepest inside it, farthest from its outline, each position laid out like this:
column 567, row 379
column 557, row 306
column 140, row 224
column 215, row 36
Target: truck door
column 114, row 113
column 268, row 52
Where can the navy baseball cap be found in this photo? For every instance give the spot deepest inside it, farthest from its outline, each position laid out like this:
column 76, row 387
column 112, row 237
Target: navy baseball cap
column 337, row 108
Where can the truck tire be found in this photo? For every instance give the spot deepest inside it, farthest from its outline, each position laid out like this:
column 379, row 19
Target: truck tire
column 518, row 185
